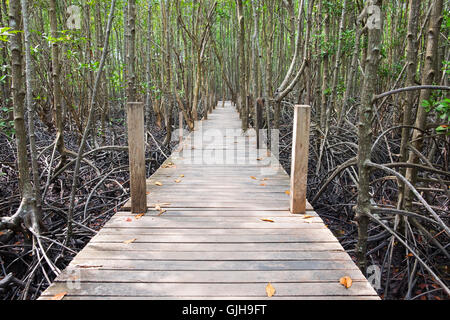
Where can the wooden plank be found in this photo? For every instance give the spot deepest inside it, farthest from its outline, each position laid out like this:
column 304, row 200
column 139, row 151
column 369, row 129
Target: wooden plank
column 219, row 290
column 217, row 213
column 318, row 235
column 127, row 276
column 100, row 254
column 160, row 223
column 220, row 247
column 181, row 231
column 187, row 265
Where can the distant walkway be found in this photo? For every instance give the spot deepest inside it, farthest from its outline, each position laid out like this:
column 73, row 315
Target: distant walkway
column 218, row 227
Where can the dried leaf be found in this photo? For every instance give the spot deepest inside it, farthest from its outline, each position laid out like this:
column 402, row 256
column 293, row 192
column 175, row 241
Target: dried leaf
column 181, row 175
column 177, row 181
column 259, row 159
column 1, row 233
column 254, row 178
column 267, row 220
column 159, row 184
column 139, row 216
column 288, row 192
column 130, row 241
column 89, row 267
column 270, row 290
column 59, row 296
column 307, row 217
column 148, row 192
column 346, row 281
column 262, row 185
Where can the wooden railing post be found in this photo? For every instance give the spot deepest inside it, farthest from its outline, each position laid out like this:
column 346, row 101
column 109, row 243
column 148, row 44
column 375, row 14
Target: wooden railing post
column 300, row 153
column 136, row 145
column 259, row 120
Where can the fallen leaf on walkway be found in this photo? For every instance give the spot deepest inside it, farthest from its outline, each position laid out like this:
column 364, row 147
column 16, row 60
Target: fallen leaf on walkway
column 130, row 241
column 139, row 216
column 346, row 281
column 159, row 184
column 89, row 267
column 161, row 212
column 270, row 290
column 148, row 192
column 254, row 178
column 259, row 159
column 177, row 181
column 262, row 184
column 288, row 192
column 182, row 176
column 267, row 220
column 59, row 296
column 264, row 179
column 308, row 217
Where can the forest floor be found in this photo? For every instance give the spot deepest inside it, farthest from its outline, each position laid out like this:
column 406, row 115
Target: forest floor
column 102, row 192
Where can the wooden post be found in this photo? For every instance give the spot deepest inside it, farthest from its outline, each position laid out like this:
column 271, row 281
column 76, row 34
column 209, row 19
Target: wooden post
column 300, row 153
column 136, row 147
column 259, row 120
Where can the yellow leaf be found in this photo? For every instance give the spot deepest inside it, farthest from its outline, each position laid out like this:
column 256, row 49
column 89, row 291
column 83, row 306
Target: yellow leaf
column 264, row 179
column 308, row 217
column 346, row 281
column 159, row 184
column 177, row 181
column 262, row 184
column 130, row 241
column 270, row 290
column 288, row 192
column 59, row 296
column 252, row 177
column 182, row 176
column 139, row 216
column 267, row 220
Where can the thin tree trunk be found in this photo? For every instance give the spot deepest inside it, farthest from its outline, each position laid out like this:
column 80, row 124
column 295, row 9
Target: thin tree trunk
column 428, row 77
column 365, row 129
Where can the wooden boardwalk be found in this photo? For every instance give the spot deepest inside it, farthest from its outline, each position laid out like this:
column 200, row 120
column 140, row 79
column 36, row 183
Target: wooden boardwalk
column 218, row 227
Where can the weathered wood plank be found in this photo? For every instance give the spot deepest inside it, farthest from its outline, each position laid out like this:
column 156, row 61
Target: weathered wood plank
column 219, row 290
column 97, row 253
column 222, row 247
column 318, row 235
column 127, row 276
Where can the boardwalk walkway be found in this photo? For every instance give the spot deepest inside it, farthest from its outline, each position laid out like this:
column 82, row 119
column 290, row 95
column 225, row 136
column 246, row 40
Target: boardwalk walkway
column 218, row 227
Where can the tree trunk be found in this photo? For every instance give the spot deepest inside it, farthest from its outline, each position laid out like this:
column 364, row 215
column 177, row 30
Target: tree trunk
column 365, row 133
column 428, row 77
